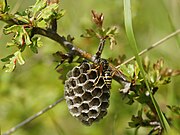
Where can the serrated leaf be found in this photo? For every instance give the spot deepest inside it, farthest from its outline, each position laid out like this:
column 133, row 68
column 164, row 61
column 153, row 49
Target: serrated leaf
column 175, row 72
column 112, row 41
column 22, row 18
column 152, row 77
column 89, row 33
column 136, row 120
column 131, row 70
column 146, row 64
column 42, row 13
column 7, row 58
column 125, row 70
column 111, row 31
column 60, row 57
column 19, row 58
column 174, row 108
column 21, row 36
column 1, row 6
column 136, row 69
column 9, row 67
column 63, row 70
column 27, row 38
column 60, row 14
column 130, row 102
column 70, row 38
column 39, row 42
column 38, row 6
column 4, row 7
column 164, row 80
column 35, row 44
column 42, row 24
column 10, row 44
column 158, row 65
column 143, row 98
column 11, row 61
column 33, row 49
column 49, row 11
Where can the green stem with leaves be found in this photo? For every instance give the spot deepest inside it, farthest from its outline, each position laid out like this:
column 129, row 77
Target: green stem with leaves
column 132, row 41
column 68, row 46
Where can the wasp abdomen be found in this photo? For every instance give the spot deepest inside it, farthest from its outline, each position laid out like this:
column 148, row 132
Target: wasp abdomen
column 108, row 78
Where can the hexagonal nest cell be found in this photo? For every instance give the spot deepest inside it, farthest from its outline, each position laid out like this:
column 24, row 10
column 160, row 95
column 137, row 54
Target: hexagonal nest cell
column 86, row 93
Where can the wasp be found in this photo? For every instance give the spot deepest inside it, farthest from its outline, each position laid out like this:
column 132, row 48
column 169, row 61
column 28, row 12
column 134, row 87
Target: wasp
column 105, row 71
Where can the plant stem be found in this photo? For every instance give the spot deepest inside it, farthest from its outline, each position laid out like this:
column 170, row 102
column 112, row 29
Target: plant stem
column 28, row 120
column 153, row 46
column 133, row 44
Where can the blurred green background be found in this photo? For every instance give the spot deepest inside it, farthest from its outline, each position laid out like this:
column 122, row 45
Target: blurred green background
column 35, row 85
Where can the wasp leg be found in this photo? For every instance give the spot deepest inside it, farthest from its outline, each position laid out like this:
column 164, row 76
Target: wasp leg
column 120, row 74
column 100, row 74
column 96, row 82
column 88, row 71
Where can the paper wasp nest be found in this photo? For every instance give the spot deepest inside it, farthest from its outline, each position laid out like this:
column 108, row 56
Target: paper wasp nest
column 86, row 93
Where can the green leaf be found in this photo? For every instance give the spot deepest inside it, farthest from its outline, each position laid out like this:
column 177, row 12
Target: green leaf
column 38, row 6
column 111, row 31
column 48, row 12
column 43, row 13
column 89, row 33
column 143, row 98
column 125, row 71
column 11, row 61
column 60, row 14
column 146, row 64
column 19, row 58
column 63, row 70
column 7, row 58
column 136, row 121
column 9, row 67
column 130, row 70
column 11, row 44
column 175, row 109
column 133, row 44
column 22, row 18
column 164, row 80
column 112, row 40
column 136, row 69
column 26, row 37
column 35, row 44
column 4, row 7
column 42, row 24
column 21, row 36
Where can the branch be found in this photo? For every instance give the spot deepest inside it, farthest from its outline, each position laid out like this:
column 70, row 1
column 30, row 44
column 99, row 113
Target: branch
column 152, row 46
column 68, row 46
column 28, row 120
column 75, row 50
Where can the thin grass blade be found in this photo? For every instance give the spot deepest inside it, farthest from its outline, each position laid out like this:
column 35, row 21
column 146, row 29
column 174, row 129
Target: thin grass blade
column 132, row 41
